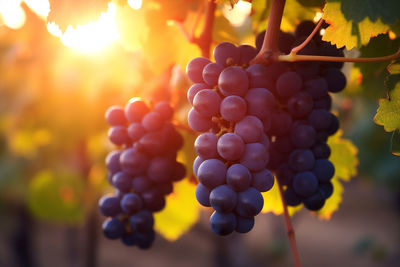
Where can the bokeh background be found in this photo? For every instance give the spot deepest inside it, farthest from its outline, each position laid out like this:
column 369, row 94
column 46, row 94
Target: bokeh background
column 54, row 90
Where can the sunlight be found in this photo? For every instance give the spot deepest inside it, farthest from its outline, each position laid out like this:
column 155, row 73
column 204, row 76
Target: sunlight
column 12, row 13
column 238, row 14
column 135, row 4
column 40, row 7
column 92, row 37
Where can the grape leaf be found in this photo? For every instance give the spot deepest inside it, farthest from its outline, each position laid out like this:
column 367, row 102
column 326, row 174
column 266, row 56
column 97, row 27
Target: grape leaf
column 354, row 22
column 273, row 202
column 57, row 196
column 344, row 158
column 312, row 3
column 180, row 213
column 294, row 12
column 388, row 115
column 74, row 12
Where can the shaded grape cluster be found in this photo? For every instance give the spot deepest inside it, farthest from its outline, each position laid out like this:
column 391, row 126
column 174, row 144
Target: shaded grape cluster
column 230, row 108
column 302, row 122
column 142, row 170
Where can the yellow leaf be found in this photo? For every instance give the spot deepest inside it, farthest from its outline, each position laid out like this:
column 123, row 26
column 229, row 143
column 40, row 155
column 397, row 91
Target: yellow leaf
column 343, row 156
column 181, row 212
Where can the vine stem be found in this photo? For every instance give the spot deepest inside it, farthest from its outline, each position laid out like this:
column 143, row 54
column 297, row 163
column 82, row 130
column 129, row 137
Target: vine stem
column 289, row 229
column 306, row 41
column 204, row 41
column 270, row 45
column 292, row 57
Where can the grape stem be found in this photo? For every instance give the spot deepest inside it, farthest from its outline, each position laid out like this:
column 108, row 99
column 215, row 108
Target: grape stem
column 292, row 57
column 289, row 229
column 270, row 45
column 309, row 38
column 204, row 41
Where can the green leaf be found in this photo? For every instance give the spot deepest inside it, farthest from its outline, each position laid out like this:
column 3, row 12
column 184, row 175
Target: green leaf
column 388, row 113
column 181, row 211
column 395, row 146
column 57, row 196
column 312, row 3
column 74, row 12
column 354, row 22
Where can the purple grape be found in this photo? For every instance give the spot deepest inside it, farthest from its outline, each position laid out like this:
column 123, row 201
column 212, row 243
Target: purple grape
column 196, row 164
column 247, row 53
column 194, row 69
column 317, row 87
column 305, row 184
column 152, row 121
column 250, row 129
column 259, row 78
column 122, row 181
column 300, row 105
column 303, row 136
column 131, row 203
column 113, row 228
column 238, row 177
column 194, row 89
column 223, row 199
column 255, row 157
column 160, row 169
column 118, row 135
column 244, row 225
column 164, row 109
column 230, row 146
column 222, row 223
column 289, row 84
column 133, row 162
column 109, row 206
column 249, row 203
column 207, row 102
column 141, row 184
column 112, row 161
column 211, row 173
column 301, row 160
column 135, row 131
column 136, row 109
column 233, row 81
column 226, row 54
column 233, row 108
column 198, row 122
column 211, row 73
column 260, row 102
column 115, row 115
column 203, row 195
column 263, row 180
column 323, row 170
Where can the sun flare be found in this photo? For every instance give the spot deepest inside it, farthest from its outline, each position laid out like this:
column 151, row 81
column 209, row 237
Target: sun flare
column 92, row 37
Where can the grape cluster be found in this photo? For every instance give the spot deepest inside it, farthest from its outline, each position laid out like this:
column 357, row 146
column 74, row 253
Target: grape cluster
column 302, row 122
column 230, row 107
column 142, row 170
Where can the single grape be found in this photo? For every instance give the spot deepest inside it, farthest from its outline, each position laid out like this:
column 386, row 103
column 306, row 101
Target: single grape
column 118, row 135
column 112, row 161
column 141, row 184
column 152, row 143
column 320, row 119
column 285, row 42
column 333, row 126
column 113, row 228
column 142, row 221
column 321, row 150
column 206, row 145
column 129, row 239
column 259, row 78
column 247, row 53
column 326, row 189
column 211, row 73
column 233, row 81
column 316, row 87
column 226, row 54
column 305, row 184
column 164, row 109
column 238, row 177
column 303, row 136
column 196, row 164
column 115, row 115
column 314, row 202
column 207, row 102
column 230, row 146
column 203, row 195
column 153, row 200
column 122, row 181
column 255, row 157
column 131, row 203
column 135, row 131
column 328, row 49
column 223, row 223
column 109, row 206
column 194, row 69
column 281, row 123
column 250, row 129
column 249, row 203
column 211, row 173
column 136, row 109
column 301, row 160
column 260, row 102
column 263, row 180
column 223, row 199
column 289, row 84
column 336, row 80
column 198, row 122
column 233, row 108
column 323, row 103
column 300, row 105
column 323, row 170
column 152, row 121
column 145, row 240
column 285, row 174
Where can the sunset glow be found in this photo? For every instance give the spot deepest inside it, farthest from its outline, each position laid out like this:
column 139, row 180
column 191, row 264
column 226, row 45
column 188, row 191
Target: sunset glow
column 92, row 37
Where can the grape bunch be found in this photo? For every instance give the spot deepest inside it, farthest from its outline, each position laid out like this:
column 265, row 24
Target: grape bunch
column 230, row 109
column 142, row 170
column 302, row 122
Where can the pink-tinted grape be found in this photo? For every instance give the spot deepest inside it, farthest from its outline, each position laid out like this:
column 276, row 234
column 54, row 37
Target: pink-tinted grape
column 233, row 108
column 230, row 146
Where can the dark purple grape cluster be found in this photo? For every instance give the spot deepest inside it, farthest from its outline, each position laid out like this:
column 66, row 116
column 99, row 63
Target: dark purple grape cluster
column 230, row 107
column 142, row 170
column 302, row 122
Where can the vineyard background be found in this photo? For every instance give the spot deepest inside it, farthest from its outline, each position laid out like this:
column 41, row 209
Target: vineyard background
column 53, row 143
